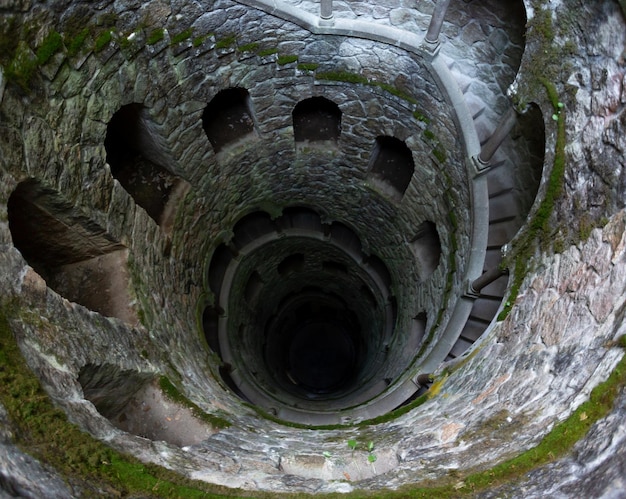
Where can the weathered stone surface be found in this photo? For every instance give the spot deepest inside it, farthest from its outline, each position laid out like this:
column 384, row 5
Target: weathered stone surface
column 530, row 371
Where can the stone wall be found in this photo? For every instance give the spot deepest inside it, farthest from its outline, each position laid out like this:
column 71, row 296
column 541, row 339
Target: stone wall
column 523, row 376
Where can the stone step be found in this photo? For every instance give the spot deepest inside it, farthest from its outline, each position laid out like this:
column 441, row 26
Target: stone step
column 473, row 330
column 485, row 308
column 501, row 233
column 503, row 207
column 475, row 105
column 500, row 180
column 459, row 348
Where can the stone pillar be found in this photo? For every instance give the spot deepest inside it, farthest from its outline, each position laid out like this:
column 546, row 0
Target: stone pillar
column 486, row 279
column 432, row 35
column 501, row 132
column 326, row 9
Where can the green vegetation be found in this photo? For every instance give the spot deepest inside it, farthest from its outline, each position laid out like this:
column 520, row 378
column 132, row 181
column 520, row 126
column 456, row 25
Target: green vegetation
column 561, row 439
column 307, row 66
column 419, row 116
column 43, row 431
column 226, row 42
column 352, row 444
column 429, row 134
column 155, row 36
column 75, row 43
column 349, row 77
column 395, row 91
column 556, row 444
column 199, row 40
column 538, row 229
column 248, row 47
column 102, row 40
column 182, row 36
column 20, row 70
column 438, row 150
column 50, row 46
column 344, row 76
column 267, row 52
column 286, row 59
column 21, row 66
column 439, row 153
column 174, row 395
column 371, row 457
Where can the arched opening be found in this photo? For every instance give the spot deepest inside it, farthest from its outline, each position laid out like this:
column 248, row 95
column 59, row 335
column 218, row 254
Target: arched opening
column 316, row 119
column 141, row 404
column 228, row 117
column 77, row 258
column 391, row 166
column 135, row 156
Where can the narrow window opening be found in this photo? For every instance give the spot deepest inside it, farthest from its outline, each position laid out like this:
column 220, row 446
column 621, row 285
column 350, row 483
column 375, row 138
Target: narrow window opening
column 391, row 166
column 77, row 258
column 316, row 119
column 228, row 117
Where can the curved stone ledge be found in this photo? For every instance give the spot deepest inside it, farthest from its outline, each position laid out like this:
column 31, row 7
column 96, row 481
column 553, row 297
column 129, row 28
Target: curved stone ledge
column 521, row 378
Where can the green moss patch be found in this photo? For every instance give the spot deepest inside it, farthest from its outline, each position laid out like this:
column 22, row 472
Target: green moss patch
column 51, row 44
column 286, row 59
column 538, row 229
column 307, row 66
column 199, row 40
column 42, row 430
column 102, row 40
column 248, row 47
column 267, row 52
column 174, row 395
column 155, row 36
column 182, row 36
column 75, row 43
column 20, row 70
column 344, row 76
column 226, row 42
